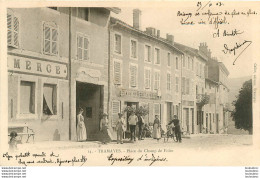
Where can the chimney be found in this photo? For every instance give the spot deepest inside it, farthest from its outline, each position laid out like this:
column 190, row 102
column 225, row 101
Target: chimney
column 137, row 18
column 203, row 48
column 170, row 38
column 151, row 31
column 158, row 33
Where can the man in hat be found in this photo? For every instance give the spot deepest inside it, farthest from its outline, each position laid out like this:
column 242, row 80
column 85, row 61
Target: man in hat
column 132, row 123
column 120, row 127
column 177, row 128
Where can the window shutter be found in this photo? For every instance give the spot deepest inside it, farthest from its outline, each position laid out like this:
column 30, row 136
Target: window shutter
column 86, row 46
column 54, row 41
column 80, row 46
column 117, row 72
column 133, row 72
column 115, row 111
column 9, row 29
column 47, row 35
column 16, row 32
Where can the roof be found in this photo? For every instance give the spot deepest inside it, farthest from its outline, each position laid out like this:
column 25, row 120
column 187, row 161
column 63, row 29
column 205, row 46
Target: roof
column 191, row 51
column 117, row 21
column 114, row 9
column 223, row 67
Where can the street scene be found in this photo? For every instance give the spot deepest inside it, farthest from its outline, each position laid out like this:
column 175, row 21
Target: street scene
column 96, row 77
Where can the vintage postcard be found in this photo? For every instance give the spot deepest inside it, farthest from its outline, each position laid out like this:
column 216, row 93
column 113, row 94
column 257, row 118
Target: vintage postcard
column 130, row 84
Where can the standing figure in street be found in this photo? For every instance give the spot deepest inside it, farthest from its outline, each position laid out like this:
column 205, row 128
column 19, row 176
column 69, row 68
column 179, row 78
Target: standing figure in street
column 132, row 123
column 177, row 128
column 105, row 135
column 81, row 129
column 120, row 127
column 156, row 128
column 140, row 126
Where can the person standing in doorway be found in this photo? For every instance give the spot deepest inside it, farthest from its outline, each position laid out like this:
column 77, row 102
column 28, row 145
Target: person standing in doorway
column 120, row 127
column 140, row 126
column 156, row 128
column 81, row 129
column 132, row 123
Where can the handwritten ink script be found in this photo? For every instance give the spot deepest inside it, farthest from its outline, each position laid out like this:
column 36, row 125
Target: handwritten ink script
column 29, row 159
column 221, row 17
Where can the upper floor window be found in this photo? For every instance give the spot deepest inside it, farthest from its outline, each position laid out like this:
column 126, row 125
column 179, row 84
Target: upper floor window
column 177, row 63
column 192, row 64
column 82, row 47
column 189, row 63
column 117, row 72
column 183, row 62
column 133, row 49
column 177, row 84
column 156, row 80
column 133, row 75
column 147, row 53
column 168, row 81
column 147, row 78
column 50, row 34
column 118, row 44
column 83, row 13
column 169, row 59
column 12, row 30
column 157, row 56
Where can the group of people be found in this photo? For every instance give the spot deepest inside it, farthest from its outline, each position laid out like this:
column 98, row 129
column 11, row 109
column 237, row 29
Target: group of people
column 134, row 121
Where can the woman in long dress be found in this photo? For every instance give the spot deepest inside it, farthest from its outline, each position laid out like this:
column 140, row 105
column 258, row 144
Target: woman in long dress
column 81, row 129
column 156, row 128
column 105, row 133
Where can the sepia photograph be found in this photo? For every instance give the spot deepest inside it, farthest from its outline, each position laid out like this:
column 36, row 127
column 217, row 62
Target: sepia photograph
column 155, row 84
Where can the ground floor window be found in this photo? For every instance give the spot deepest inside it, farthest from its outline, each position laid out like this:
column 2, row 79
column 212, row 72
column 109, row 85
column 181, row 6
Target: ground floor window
column 49, row 99
column 27, row 97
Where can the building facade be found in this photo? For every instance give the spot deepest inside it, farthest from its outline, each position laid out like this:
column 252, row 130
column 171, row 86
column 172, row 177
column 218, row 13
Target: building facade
column 57, row 62
column 145, row 71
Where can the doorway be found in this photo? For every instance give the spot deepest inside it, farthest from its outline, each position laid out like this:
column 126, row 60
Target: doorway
column 134, row 105
column 89, row 97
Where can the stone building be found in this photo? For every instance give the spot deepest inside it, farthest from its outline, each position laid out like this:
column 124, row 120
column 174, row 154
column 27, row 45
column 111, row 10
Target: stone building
column 145, row 70
column 57, row 62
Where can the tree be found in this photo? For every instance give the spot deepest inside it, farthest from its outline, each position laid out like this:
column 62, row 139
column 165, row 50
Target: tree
column 242, row 114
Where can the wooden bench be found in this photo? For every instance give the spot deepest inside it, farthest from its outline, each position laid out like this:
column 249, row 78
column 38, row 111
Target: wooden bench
column 21, row 130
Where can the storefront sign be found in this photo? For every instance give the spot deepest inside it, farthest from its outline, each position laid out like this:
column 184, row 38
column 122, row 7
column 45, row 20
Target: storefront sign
column 188, row 103
column 139, row 94
column 37, row 67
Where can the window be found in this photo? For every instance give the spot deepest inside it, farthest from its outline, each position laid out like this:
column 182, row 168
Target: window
column 133, row 49
column 83, row 13
column 197, row 68
column 50, row 40
column 156, row 80
column 177, row 63
column 200, row 72
column 133, row 75
column 27, row 97
column 147, row 53
column 192, row 64
column 118, row 44
column 183, row 86
column 12, row 30
column 183, row 61
column 157, row 109
column 157, row 56
column 168, row 81
column 187, row 86
column 117, row 72
column 49, row 99
column 169, row 59
column 147, row 77
column 189, row 63
column 82, row 47
column 177, row 84
column 115, row 110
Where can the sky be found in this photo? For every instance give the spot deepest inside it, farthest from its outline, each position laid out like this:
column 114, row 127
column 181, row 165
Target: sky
column 165, row 19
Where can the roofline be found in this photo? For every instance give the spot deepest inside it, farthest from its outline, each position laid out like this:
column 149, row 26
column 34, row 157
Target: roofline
column 114, row 9
column 119, row 22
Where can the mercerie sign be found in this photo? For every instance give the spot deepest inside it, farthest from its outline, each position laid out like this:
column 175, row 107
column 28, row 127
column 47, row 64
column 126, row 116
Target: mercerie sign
column 37, row 66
